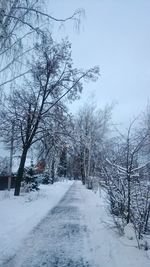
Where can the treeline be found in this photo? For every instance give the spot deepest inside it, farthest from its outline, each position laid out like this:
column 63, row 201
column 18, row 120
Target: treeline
column 116, row 159
column 40, row 73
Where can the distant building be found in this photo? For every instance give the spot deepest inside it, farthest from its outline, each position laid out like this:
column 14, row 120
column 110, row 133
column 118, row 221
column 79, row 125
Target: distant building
column 4, row 181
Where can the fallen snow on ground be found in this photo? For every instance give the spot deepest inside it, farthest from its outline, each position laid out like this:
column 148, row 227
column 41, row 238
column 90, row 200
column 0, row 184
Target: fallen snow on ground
column 57, row 241
column 105, row 246
column 19, row 215
column 79, row 231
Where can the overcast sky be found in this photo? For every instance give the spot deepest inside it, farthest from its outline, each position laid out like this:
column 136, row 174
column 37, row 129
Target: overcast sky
column 115, row 34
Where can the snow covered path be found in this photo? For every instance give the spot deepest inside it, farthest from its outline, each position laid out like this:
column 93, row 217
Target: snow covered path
column 20, row 215
column 58, row 241
column 78, row 232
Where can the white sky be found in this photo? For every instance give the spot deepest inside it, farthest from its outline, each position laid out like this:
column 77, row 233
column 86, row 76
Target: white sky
column 115, row 34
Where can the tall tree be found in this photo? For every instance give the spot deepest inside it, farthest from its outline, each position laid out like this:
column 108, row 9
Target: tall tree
column 90, row 132
column 52, row 79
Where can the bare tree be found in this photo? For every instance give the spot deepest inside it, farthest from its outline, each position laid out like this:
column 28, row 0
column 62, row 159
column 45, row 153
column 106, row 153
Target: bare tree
column 52, row 79
column 58, row 135
column 21, row 22
column 91, row 127
column 126, row 182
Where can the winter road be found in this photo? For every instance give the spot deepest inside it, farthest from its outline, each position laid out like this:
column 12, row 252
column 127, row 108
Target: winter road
column 59, row 240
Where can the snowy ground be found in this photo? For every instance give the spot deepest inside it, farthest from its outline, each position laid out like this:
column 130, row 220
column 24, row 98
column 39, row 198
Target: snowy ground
column 105, row 246
column 19, row 215
column 77, row 232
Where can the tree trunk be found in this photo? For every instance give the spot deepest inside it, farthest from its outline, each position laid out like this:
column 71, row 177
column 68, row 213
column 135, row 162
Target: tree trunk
column 128, row 179
column 20, row 172
column 82, row 170
column 53, row 170
column 129, row 198
column 147, row 218
column 11, row 157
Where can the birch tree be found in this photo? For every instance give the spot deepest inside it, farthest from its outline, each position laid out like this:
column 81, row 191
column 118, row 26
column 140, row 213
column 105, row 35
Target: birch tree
column 91, row 128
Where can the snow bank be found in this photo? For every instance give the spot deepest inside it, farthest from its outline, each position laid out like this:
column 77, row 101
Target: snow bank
column 105, row 247
column 19, row 215
column 129, row 232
